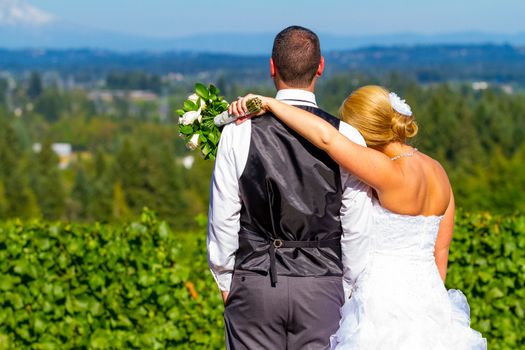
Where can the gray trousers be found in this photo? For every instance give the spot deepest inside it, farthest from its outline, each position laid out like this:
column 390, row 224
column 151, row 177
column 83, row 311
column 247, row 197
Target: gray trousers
column 299, row 313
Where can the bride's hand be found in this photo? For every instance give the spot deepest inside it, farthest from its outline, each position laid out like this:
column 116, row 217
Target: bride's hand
column 239, row 107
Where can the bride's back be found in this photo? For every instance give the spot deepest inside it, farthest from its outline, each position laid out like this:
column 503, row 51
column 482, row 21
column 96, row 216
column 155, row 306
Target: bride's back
column 424, row 188
column 386, row 122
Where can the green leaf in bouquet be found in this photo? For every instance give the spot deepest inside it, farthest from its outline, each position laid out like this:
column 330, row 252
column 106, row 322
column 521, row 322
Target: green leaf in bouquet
column 213, row 137
column 180, row 112
column 209, row 113
column 190, row 106
column 186, row 129
column 214, row 90
column 202, row 91
column 206, row 150
column 202, row 138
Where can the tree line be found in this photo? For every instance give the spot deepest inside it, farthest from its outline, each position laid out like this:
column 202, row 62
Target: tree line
column 127, row 157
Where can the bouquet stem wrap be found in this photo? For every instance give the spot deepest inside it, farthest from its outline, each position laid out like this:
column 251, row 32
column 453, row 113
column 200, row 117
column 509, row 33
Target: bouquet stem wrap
column 254, row 107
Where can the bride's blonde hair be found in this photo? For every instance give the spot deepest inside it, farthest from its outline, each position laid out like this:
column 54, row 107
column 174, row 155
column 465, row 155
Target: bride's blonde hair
column 370, row 111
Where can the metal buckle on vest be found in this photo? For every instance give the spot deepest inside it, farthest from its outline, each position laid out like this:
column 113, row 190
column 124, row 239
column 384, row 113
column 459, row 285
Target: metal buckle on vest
column 278, row 243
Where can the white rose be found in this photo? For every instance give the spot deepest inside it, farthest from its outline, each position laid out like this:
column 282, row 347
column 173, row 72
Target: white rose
column 194, row 142
column 189, row 117
column 194, row 97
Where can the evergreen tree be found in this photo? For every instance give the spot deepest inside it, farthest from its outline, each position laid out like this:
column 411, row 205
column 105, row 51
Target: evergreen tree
column 150, row 178
column 166, row 179
column 100, row 203
column 18, row 199
column 34, row 89
column 196, row 187
column 3, row 90
column 47, row 183
column 131, row 169
column 120, row 207
column 4, row 204
column 50, row 104
column 81, row 193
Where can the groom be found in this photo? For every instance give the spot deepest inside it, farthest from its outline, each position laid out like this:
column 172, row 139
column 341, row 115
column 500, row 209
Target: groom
column 284, row 218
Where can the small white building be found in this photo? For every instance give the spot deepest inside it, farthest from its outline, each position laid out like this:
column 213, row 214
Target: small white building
column 480, row 85
column 508, row 89
column 64, row 151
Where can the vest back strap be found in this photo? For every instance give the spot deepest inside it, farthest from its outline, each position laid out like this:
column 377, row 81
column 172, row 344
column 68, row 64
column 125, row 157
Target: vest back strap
column 275, row 244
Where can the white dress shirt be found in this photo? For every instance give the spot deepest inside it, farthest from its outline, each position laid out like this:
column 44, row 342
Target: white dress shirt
column 225, row 202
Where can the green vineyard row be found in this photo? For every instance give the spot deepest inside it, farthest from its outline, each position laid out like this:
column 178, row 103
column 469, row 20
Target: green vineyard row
column 143, row 286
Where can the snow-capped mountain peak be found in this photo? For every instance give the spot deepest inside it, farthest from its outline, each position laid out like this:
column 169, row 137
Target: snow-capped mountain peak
column 20, row 12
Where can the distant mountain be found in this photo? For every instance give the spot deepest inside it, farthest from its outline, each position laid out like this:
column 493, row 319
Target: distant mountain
column 261, row 43
column 20, row 13
column 63, row 35
column 334, row 42
column 424, row 63
column 99, row 62
column 436, row 63
column 25, row 26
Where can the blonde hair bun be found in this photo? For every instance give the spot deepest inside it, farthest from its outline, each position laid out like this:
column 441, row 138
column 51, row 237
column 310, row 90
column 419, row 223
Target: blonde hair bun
column 403, row 127
column 369, row 110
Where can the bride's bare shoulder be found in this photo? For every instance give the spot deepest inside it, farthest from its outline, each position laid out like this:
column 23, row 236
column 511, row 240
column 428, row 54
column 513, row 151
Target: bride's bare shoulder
column 437, row 176
column 438, row 168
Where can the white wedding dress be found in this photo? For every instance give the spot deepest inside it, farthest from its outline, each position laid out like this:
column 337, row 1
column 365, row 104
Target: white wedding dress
column 399, row 301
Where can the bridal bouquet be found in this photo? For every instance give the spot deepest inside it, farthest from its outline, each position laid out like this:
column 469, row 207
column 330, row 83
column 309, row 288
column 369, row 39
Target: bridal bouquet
column 202, row 116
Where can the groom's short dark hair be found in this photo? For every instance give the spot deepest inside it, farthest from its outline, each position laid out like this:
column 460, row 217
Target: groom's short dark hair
column 296, row 55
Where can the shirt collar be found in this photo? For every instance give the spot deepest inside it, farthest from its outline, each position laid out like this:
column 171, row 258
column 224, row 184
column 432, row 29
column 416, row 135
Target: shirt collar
column 297, row 97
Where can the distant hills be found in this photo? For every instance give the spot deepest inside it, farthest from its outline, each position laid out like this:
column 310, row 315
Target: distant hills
column 62, row 35
column 432, row 63
column 23, row 25
column 32, row 39
column 424, row 63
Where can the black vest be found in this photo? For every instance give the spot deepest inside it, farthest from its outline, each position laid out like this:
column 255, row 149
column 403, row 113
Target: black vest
column 291, row 199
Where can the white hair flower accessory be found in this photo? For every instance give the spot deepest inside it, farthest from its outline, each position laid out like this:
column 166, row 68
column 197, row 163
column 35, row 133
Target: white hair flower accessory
column 399, row 105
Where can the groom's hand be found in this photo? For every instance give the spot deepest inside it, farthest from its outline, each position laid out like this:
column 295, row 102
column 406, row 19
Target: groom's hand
column 224, row 296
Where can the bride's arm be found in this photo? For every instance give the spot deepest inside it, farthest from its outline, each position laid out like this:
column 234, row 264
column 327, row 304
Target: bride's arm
column 369, row 165
column 444, row 238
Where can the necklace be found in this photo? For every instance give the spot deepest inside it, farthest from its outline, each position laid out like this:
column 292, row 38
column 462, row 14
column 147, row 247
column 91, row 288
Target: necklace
column 407, row 154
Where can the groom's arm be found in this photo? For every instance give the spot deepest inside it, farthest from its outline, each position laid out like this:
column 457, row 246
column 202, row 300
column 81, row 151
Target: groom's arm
column 355, row 218
column 225, row 204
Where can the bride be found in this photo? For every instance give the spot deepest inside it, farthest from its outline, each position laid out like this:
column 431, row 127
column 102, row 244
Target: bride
column 399, row 300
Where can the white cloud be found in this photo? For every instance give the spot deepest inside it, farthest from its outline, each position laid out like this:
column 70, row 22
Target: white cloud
column 19, row 12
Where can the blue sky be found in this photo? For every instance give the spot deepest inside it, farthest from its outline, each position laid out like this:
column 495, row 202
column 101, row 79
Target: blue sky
column 175, row 18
